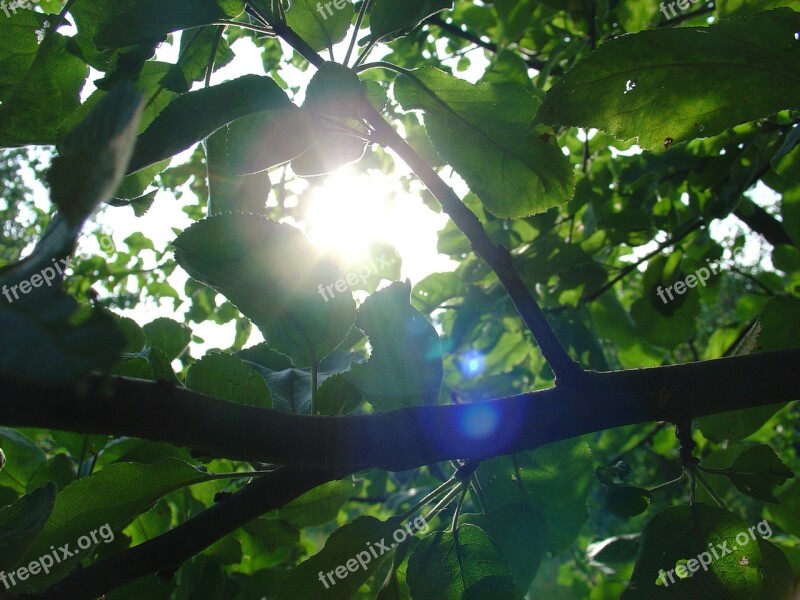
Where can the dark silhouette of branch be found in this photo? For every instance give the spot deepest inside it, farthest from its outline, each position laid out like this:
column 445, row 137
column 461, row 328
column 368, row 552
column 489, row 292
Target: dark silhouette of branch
column 760, row 221
column 407, row 438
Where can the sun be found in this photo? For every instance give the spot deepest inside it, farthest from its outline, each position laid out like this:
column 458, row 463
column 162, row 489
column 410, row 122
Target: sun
column 346, row 213
column 352, row 211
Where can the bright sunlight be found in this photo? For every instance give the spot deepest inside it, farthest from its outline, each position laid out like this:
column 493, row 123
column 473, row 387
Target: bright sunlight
column 352, row 210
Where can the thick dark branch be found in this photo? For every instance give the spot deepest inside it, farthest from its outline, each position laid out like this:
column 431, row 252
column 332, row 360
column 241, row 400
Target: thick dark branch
column 408, row 438
column 166, row 553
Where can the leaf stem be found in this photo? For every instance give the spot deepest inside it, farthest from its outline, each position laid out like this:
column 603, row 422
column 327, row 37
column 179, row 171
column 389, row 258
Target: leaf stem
column 361, row 14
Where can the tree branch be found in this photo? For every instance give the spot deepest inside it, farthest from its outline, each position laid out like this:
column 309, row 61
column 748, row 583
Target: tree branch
column 412, row 437
column 165, row 553
column 497, row 257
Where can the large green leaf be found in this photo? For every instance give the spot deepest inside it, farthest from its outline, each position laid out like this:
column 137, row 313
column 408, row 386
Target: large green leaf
column 320, row 505
column 273, row 275
column 40, row 83
column 228, row 377
column 727, row 558
column 347, row 557
column 94, row 155
column 22, row 522
column 485, row 132
column 268, row 138
column 555, row 479
column 405, row 367
column 390, row 19
column 520, row 532
column 445, row 565
column 23, row 460
column 111, row 497
column 227, row 190
column 169, row 336
column 192, row 117
column 677, row 84
column 320, row 24
column 145, row 20
column 756, row 471
column 334, row 90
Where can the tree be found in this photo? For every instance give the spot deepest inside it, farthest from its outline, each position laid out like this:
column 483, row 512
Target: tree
column 500, row 431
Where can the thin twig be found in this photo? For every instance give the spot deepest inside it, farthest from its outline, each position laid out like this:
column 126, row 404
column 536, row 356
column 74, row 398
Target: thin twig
column 359, row 20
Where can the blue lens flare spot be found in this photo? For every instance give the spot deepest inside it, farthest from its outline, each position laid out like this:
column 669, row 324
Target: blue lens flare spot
column 480, row 421
column 471, row 363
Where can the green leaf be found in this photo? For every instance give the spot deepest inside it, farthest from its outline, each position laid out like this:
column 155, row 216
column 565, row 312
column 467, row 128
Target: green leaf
column 40, row 82
column 280, row 294
column 334, row 90
column 192, row 117
column 555, row 479
column 23, row 460
column 145, row 20
column 485, row 132
column 112, row 497
column 677, row 84
column 22, row 522
column 444, row 566
column 785, row 514
column 225, row 376
column 94, row 155
column 756, row 471
column 338, row 396
column 390, row 19
column 227, row 190
column 268, row 138
column 750, row 569
column 347, row 550
column 318, row 506
column 627, row 501
column 169, row 336
column 330, row 151
column 519, row 531
column 405, row 367
column 320, row 24
column 196, row 46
